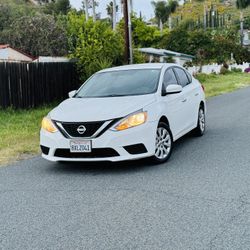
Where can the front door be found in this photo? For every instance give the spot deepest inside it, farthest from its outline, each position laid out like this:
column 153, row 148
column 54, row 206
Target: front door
column 175, row 105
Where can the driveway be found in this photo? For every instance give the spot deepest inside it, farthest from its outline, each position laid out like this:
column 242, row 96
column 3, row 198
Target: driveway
column 200, row 199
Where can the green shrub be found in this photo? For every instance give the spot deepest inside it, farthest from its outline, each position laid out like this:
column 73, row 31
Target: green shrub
column 188, row 64
column 103, row 63
column 224, row 70
column 139, row 57
column 235, row 70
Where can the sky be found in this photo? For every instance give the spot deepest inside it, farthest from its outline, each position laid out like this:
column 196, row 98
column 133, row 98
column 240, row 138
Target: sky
column 139, row 5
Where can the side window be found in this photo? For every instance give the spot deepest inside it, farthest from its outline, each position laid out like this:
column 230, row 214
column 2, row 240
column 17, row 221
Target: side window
column 182, row 77
column 189, row 76
column 169, row 78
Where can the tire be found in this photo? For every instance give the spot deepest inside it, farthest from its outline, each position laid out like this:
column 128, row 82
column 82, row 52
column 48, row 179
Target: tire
column 163, row 143
column 201, row 123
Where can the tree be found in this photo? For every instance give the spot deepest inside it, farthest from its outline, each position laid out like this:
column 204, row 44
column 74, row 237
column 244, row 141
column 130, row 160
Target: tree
column 242, row 4
column 9, row 12
column 38, row 35
column 62, row 6
column 94, row 44
column 85, row 6
column 57, row 7
column 110, row 10
column 93, row 4
column 163, row 10
column 209, row 46
column 144, row 35
column 6, row 14
column 172, row 6
column 90, row 4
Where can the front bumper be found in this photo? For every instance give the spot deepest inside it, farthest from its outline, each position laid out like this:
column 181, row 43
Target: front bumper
column 112, row 140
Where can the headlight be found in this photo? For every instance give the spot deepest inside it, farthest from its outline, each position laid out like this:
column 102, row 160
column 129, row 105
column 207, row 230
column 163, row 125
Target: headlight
column 132, row 121
column 48, row 125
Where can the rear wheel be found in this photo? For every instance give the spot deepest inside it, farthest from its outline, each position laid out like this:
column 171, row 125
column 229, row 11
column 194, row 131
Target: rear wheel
column 163, row 143
column 201, row 123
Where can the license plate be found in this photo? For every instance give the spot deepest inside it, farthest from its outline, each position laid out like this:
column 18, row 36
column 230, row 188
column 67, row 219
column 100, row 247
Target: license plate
column 80, row 146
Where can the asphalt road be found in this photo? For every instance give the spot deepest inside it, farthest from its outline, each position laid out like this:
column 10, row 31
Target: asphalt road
column 200, row 199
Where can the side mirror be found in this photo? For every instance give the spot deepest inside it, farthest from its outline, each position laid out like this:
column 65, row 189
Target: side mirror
column 72, row 93
column 173, row 89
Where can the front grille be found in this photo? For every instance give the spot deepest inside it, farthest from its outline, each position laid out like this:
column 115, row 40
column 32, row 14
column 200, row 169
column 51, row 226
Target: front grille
column 96, row 153
column 91, row 128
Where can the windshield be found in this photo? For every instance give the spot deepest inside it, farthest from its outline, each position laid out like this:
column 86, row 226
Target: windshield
column 121, row 83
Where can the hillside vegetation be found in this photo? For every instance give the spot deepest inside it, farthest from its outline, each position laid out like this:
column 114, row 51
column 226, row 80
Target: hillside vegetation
column 225, row 12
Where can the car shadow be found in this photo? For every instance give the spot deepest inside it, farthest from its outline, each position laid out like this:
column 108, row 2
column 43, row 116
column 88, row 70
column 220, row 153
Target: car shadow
column 95, row 168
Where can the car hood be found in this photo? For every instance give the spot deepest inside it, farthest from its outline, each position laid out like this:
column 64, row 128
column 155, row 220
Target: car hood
column 99, row 109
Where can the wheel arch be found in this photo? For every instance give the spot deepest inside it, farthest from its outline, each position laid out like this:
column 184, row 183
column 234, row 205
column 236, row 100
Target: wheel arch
column 165, row 120
column 202, row 105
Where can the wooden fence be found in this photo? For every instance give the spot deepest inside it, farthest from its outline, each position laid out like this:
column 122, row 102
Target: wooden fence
column 26, row 85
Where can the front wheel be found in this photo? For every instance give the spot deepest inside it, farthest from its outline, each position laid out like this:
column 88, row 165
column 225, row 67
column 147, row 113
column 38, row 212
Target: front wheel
column 163, row 143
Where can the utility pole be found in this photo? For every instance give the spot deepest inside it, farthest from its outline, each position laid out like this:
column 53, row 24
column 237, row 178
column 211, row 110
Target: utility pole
column 114, row 14
column 130, row 33
column 126, row 32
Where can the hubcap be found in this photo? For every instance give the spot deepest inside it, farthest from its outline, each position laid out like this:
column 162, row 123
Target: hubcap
column 163, row 143
column 202, row 120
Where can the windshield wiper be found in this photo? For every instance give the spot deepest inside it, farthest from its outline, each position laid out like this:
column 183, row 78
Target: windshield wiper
column 99, row 96
column 112, row 95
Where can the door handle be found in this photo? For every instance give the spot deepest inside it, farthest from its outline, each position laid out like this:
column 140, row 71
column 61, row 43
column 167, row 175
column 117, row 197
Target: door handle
column 184, row 100
column 196, row 94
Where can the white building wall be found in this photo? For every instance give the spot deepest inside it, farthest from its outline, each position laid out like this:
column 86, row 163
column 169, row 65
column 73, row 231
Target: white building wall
column 52, row 59
column 215, row 68
column 4, row 54
column 180, row 60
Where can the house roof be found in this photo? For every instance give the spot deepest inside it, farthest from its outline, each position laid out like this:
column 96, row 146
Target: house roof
column 5, row 46
column 164, row 52
column 136, row 66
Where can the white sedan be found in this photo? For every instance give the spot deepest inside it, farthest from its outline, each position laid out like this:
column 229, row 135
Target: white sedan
column 125, row 113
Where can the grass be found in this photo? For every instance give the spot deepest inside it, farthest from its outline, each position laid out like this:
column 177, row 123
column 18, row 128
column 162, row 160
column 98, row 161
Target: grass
column 19, row 129
column 19, row 133
column 220, row 84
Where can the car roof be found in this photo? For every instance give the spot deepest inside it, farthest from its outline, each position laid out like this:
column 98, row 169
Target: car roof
column 139, row 66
